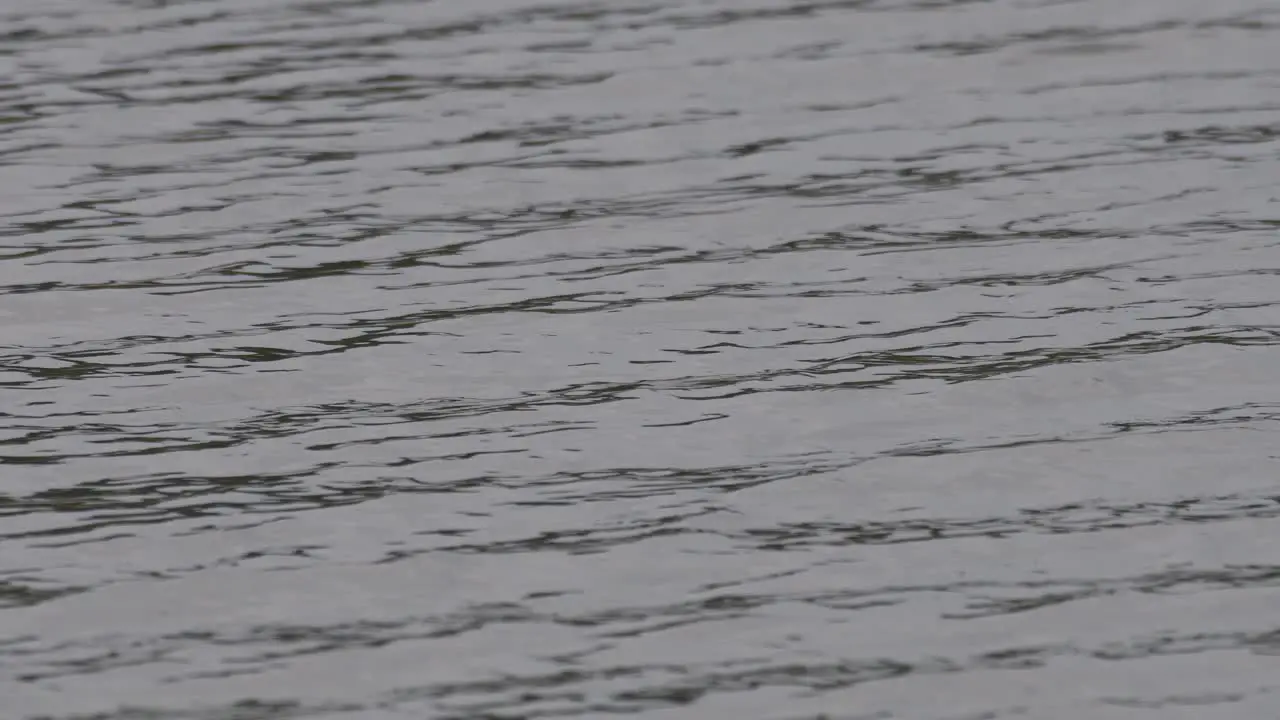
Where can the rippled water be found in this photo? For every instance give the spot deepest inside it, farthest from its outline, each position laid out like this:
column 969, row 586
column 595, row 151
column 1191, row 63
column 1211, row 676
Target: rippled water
column 732, row 359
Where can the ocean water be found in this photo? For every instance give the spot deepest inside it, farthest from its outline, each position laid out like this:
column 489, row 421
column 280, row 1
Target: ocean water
column 659, row 359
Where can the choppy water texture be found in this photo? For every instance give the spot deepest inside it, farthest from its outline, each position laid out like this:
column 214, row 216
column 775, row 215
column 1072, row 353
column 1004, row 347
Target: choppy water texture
column 719, row 359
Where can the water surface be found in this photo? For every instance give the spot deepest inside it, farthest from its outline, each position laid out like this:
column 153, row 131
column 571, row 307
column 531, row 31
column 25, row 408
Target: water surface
column 718, row 359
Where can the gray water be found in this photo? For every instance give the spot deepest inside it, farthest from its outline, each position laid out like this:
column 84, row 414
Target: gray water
column 706, row 359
